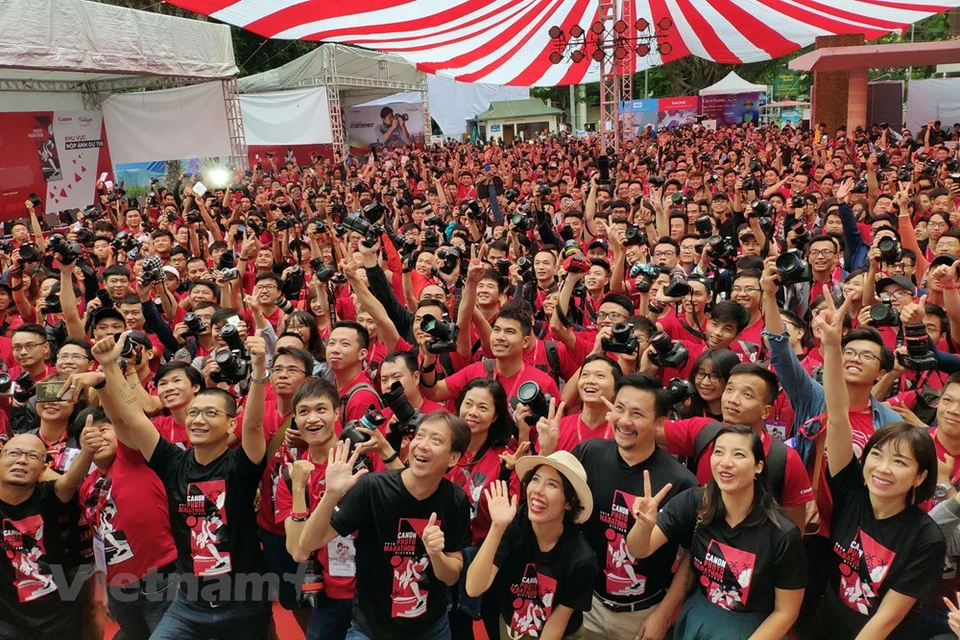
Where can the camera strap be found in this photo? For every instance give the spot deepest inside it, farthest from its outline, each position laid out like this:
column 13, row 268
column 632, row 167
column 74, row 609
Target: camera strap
column 694, row 332
column 776, row 456
column 345, row 401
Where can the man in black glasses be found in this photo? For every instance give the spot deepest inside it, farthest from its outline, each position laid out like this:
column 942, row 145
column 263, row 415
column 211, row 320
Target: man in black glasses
column 34, row 545
column 211, row 491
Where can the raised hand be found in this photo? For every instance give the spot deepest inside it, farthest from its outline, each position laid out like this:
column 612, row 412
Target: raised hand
column 502, row 508
column 645, row 507
column 432, row 536
column 845, row 189
column 300, row 471
column 829, row 322
column 90, row 438
column 109, row 349
column 548, row 429
column 510, row 459
column 340, row 474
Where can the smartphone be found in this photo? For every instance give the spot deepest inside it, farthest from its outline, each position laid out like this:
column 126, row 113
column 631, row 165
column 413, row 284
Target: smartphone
column 49, row 391
column 234, row 320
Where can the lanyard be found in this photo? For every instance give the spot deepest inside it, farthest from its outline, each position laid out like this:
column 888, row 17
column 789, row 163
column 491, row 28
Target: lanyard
column 608, row 432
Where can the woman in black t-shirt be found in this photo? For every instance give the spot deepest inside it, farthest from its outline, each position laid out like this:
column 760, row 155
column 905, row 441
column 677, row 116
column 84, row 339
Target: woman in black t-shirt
column 888, row 553
column 747, row 557
column 540, row 566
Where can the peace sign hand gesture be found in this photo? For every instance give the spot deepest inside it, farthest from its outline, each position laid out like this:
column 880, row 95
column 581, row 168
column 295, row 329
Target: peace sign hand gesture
column 645, row 507
column 548, row 429
column 502, row 508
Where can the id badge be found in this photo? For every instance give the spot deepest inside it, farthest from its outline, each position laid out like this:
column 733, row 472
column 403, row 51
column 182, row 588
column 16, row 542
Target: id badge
column 341, row 557
column 99, row 554
column 777, row 429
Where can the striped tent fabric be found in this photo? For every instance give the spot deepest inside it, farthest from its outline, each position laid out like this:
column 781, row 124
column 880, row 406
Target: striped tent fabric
column 508, row 41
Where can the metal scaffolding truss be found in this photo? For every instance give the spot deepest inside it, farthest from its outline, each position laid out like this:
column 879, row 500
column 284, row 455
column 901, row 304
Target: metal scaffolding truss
column 238, row 140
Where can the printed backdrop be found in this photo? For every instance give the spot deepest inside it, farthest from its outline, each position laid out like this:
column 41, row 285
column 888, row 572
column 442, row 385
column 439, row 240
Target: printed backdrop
column 54, row 154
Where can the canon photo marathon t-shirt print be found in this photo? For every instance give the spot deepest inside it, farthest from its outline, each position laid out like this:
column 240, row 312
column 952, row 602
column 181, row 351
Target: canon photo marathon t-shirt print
column 863, row 567
column 532, row 603
column 726, row 574
column 408, row 597
column 110, row 546
column 620, row 569
column 23, row 544
column 206, row 515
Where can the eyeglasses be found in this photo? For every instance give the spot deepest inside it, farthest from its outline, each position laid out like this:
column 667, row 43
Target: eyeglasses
column 16, row 454
column 266, row 287
column 826, row 253
column 71, row 356
column 289, row 371
column 613, row 315
column 701, row 376
column 861, row 356
column 900, row 294
column 690, row 247
column 208, row 412
column 29, row 346
column 747, row 290
column 664, row 254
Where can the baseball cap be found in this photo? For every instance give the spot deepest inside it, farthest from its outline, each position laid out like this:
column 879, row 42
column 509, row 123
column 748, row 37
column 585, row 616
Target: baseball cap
column 111, row 312
column 900, row 281
column 599, row 244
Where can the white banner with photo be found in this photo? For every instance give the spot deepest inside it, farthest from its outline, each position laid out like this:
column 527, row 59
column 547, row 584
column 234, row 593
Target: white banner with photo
column 389, row 125
column 78, row 139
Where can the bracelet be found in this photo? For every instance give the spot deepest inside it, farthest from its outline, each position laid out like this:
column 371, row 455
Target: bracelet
column 396, row 454
column 264, row 380
column 430, row 368
column 300, row 516
column 101, row 384
column 952, row 287
column 655, row 308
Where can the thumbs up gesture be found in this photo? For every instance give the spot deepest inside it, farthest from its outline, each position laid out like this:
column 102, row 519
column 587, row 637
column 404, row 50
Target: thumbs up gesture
column 432, row 536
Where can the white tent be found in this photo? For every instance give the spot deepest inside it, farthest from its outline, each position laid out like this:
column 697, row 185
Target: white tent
column 347, row 75
column 75, row 58
column 732, row 84
column 72, row 46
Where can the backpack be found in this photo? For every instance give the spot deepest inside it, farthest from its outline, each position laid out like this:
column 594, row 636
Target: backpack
column 552, row 368
column 776, row 465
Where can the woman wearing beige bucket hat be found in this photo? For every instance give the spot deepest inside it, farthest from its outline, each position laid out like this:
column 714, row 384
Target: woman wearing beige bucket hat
column 535, row 558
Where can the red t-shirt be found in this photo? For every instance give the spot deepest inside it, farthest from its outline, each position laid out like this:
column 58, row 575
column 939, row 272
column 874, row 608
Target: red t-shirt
column 862, row 422
column 48, row 370
column 459, row 380
column 360, row 399
column 749, row 343
column 474, row 476
column 681, row 434
column 336, row 585
column 573, row 431
column 671, row 325
column 272, row 421
column 172, row 431
column 127, row 509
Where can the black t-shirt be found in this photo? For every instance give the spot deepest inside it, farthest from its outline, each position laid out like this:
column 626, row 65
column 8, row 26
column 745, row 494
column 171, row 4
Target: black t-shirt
column 903, row 553
column 615, row 485
column 530, row 584
column 398, row 595
column 211, row 510
column 738, row 568
column 32, row 544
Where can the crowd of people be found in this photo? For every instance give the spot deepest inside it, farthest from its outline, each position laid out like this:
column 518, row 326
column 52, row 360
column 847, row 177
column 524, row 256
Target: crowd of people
column 703, row 386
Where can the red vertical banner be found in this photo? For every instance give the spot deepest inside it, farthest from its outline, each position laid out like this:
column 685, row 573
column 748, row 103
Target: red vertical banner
column 28, row 159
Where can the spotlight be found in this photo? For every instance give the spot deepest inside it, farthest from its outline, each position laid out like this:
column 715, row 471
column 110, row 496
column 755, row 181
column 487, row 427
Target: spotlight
column 665, row 23
column 555, row 32
column 643, row 50
column 597, row 27
column 598, row 55
column 576, row 31
column 218, row 177
column 620, row 53
column 642, row 24
column 620, row 26
column 555, row 57
column 665, row 49
column 577, row 56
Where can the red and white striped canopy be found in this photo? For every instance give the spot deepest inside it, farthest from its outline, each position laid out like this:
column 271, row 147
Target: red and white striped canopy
column 508, row 41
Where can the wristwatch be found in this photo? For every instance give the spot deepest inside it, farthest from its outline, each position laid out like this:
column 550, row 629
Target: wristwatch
column 941, row 491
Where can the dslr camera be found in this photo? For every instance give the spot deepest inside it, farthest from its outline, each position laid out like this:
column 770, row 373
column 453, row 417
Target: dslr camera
column 622, row 340
column 234, row 361
column 666, row 352
column 444, row 334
